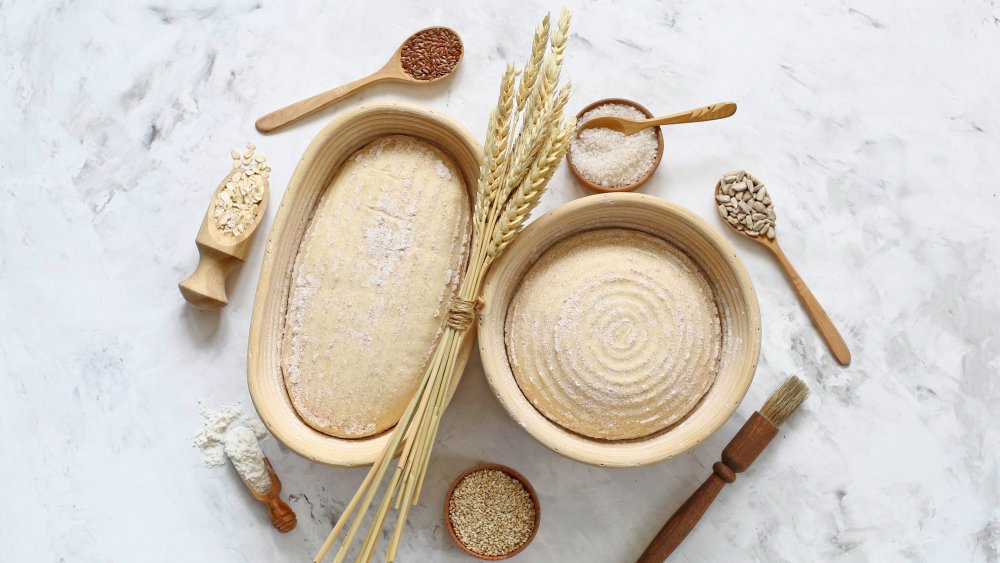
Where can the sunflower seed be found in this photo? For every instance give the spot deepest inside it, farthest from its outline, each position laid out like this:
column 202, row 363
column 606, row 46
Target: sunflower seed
column 745, row 203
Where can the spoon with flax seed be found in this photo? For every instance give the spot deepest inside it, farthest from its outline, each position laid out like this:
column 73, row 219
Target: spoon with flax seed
column 426, row 56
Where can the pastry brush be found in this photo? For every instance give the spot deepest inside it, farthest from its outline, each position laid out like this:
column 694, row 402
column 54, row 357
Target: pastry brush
column 742, row 450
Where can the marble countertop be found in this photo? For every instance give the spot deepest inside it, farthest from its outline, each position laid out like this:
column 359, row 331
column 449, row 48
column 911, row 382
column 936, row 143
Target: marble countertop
column 875, row 124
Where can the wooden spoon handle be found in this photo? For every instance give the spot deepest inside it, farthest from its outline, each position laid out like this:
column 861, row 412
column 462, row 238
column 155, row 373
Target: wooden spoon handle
column 834, row 341
column 707, row 113
column 298, row 110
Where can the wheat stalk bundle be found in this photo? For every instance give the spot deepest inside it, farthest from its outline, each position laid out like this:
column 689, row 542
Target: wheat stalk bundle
column 526, row 139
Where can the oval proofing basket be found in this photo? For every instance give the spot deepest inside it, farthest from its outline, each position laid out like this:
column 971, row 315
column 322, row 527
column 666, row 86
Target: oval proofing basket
column 324, row 156
column 734, row 296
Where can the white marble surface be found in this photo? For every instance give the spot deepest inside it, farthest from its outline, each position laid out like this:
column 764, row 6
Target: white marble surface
column 875, row 123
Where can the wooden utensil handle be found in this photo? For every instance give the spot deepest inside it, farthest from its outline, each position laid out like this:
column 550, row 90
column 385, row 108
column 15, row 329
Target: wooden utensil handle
column 827, row 330
column 707, row 113
column 683, row 521
column 206, row 287
column 738, row 455
column 298, row 110
column 282, row 516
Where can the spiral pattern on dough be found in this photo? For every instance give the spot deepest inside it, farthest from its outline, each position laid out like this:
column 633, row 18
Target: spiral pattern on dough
column 614, row 334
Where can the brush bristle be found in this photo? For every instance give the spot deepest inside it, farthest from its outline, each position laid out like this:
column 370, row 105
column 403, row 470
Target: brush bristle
column 783, row 402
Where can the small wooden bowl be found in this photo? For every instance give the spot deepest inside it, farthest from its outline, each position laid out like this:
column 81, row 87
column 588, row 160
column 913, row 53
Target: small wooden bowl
column 344, row 136
column 515, row 475
column 739, row 315
column 630, row 187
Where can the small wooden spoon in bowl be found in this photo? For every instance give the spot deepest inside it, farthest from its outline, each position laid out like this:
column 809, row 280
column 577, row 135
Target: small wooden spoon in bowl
column 827, row 330
column 425, row 57
column 629, row 127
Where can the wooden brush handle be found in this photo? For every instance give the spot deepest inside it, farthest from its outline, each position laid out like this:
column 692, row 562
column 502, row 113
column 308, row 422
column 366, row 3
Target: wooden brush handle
column 282, row 515
column 682, row 522
column 742, row 450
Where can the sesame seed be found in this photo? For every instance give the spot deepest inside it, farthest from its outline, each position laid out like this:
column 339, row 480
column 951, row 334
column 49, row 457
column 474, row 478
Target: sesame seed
column 491, row 512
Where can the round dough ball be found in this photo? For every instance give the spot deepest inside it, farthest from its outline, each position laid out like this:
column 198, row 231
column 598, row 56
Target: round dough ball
column 614, row 334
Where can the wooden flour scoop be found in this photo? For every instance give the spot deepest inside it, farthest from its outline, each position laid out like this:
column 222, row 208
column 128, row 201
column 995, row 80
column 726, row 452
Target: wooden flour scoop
column 282, row 515
column 222, row 245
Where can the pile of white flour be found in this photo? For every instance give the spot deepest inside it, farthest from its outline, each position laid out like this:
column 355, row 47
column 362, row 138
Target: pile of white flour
column 230, row 433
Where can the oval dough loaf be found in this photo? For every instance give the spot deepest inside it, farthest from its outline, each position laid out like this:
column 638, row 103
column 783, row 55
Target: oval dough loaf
column 614, row 334
column 373, row 278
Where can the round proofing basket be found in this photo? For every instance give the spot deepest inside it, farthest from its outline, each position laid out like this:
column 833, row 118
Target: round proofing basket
column 734, row 295
column 324, row 156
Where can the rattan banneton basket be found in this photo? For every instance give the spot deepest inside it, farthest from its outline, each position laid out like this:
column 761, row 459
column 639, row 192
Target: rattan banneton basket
column 734, row 296
column 351, row 131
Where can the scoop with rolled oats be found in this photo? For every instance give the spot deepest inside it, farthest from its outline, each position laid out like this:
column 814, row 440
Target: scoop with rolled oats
column 238, row 204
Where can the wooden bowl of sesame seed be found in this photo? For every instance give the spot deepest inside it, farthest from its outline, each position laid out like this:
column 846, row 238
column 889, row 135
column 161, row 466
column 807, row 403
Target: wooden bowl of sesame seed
column 606, row 187
column 491, row 512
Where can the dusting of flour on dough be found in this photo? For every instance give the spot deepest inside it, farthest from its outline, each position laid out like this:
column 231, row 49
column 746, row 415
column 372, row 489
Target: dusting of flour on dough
column 614, row 334
column 376, row 269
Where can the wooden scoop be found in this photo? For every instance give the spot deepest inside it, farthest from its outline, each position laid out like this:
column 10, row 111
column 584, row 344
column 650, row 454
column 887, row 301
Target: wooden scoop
column 392, row 71
column 827, row 330
column 282, row 515
column 629, row 126
column 219, row 254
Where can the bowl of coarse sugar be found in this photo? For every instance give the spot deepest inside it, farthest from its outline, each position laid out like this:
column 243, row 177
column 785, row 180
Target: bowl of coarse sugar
column 604, row 160
column 491, row 512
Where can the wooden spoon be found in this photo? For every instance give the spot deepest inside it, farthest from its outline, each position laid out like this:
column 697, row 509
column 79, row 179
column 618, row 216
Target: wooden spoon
column 827, row 330
column 630, row 127
column 282, row 515
column 392, row 71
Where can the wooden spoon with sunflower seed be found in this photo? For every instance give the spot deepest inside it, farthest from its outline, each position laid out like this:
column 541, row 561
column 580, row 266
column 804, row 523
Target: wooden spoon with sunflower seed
column 746, row 206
